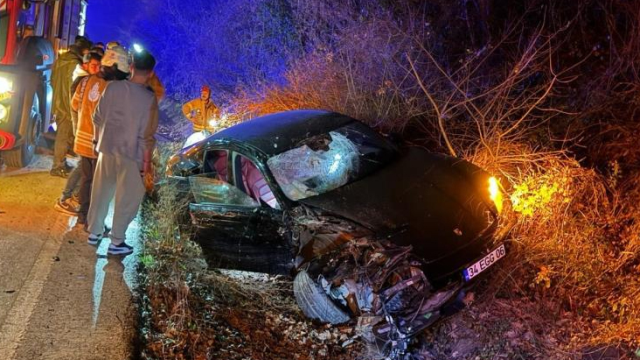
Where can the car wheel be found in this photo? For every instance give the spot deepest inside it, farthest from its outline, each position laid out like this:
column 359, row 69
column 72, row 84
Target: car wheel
column 23, row 155
column 315, row 304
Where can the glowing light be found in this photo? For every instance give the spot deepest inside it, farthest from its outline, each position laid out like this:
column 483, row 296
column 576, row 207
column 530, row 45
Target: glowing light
column 3, row 112
column 213, row 123
column 495, row 194
column 5, row 85
column 137, row 48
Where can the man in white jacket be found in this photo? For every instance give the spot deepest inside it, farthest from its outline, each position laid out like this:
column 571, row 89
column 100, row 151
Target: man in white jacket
column 125, row 122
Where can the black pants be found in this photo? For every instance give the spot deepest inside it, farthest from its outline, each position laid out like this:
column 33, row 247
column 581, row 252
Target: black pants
column 88, row 167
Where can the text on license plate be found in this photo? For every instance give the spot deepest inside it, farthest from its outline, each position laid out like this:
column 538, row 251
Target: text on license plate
column 484, row 263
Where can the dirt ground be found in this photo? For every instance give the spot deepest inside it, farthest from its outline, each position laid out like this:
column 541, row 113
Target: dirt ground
column 60, row 298
column 195, row 313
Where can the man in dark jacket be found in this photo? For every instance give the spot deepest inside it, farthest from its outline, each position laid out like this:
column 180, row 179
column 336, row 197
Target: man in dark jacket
column 61, row 80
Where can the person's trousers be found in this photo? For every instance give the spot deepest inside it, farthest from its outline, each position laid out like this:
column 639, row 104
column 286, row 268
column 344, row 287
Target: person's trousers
column 88, row 167
column 73, row 183
column 64, row 141
column 119, row 176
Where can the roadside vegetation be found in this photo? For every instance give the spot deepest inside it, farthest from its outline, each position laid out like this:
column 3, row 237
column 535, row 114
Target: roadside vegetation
column 543, row 95
column 187, row 312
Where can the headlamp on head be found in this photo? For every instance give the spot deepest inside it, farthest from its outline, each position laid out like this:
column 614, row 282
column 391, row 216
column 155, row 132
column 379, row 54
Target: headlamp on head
column 137, row 48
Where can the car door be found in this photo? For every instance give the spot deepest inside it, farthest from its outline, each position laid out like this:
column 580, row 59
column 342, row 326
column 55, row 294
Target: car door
column 234, row 229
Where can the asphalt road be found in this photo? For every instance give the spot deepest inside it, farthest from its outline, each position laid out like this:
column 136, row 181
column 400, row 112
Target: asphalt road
column 60, row 298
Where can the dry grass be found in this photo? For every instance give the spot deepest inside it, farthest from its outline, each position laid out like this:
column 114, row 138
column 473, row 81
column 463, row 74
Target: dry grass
column 186, row 308
column 573, row 230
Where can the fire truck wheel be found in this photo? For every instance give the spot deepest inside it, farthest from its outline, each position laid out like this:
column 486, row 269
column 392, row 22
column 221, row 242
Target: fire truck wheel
column 22, row 155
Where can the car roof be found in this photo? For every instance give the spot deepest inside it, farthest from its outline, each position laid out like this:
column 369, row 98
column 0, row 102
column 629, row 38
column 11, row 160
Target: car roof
column 276, row 133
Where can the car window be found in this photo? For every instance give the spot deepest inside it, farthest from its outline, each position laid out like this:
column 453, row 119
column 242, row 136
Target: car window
column 216, row 164
column 254, row 184
column 211, row 190
column 212, row 185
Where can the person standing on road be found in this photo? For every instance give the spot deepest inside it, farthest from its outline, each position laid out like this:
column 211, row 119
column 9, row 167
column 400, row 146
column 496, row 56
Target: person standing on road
column 84, row 102
column 125, row 123
column 69, row 202
column 61, row 81
column 90, row 66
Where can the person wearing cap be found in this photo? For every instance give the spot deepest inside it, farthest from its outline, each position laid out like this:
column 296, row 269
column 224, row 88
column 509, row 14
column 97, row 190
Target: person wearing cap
column 61, row 81
column 84, row 102
column 125, row 122
column 69, row 202
column 201, row 111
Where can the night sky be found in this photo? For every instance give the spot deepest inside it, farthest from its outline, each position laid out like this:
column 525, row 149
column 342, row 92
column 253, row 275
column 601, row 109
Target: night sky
column 109, row 19
column 202, row 43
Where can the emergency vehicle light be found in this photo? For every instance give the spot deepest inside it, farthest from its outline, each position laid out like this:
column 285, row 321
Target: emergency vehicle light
column 6, row 85
column 4, row 113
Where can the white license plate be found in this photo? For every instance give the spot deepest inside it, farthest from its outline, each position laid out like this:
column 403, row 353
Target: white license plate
column 484, row 263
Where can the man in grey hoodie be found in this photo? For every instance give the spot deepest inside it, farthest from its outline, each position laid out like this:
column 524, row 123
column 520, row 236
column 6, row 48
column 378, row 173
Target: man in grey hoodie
column 125, row 122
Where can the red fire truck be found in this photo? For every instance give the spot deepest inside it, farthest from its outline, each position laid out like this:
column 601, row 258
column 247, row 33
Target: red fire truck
column 31, row 34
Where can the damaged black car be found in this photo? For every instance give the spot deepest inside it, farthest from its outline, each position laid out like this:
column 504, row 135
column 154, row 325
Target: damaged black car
column 383, row 236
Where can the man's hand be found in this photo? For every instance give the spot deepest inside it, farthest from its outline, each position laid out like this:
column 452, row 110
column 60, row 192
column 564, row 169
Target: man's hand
column 148, row 178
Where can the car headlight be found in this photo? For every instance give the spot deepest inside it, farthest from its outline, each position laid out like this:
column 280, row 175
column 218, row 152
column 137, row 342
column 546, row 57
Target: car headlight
column 4, row 113
column 495, row 194
column 6, row 85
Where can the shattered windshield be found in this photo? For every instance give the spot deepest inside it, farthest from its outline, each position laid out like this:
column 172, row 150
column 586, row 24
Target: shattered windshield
column 328, row 161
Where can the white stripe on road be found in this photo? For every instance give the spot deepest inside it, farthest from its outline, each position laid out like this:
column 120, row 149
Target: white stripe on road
column 18, row 317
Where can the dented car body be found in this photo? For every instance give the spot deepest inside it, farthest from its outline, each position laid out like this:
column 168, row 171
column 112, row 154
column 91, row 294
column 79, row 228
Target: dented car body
column 369, row 231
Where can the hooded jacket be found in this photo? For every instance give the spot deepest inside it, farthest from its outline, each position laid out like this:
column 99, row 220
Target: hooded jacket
column 61, row 80
column 78, row 72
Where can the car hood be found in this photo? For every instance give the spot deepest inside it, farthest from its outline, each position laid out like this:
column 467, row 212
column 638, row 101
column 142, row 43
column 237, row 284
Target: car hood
column 435, row 203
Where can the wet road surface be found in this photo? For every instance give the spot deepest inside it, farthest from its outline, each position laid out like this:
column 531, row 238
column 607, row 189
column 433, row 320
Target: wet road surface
column 60, row 298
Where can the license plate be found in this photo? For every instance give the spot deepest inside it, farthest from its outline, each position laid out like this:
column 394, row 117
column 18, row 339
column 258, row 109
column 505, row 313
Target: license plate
column 484, row 263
